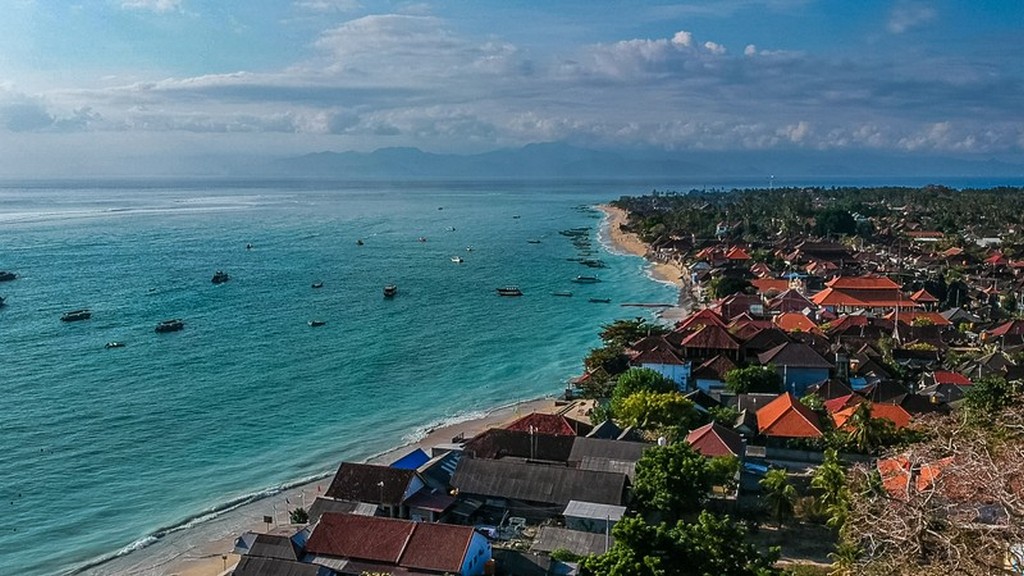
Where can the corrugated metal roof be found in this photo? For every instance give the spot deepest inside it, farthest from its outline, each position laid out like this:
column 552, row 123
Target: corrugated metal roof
column 537, row 483
column 260, row 566
column 580, row 509
column 583, row 543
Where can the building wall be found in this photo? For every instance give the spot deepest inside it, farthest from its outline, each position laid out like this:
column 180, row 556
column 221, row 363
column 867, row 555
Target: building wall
column 797, row 380
column 477, row 555
column 678, row 373
column 709, row 385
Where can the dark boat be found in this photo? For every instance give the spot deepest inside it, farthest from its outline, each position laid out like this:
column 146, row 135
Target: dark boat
column 170, row 326
column 317, row 284
column 600, row 300
column 509, row 291
column 586, row 279
column 315, row 323
column 390, row 290
column 533, row 241
column 359, row 242
column 220, row 277
column 114, row 345
column 75, row 316
column 248, row 246
column 6, row 276
column 2, row 298
column 561, row 293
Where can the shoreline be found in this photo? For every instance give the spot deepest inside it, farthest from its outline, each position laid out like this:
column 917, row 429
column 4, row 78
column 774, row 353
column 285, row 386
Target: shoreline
column 202, row 547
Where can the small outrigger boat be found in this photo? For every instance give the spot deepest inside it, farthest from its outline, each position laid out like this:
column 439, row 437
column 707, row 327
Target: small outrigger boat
column 359, row 242
column 390, row 290
column 457, row 259
column 586, row 279
column 319, row 284
column 561, row 294
column 509, row 291
column 169, row 326
column 6, row 276
column 114, row 345
column 315, row 323
column 422, row 239
column 600, row 300
column 75, row 315
column 533, row 241
column 220, row 277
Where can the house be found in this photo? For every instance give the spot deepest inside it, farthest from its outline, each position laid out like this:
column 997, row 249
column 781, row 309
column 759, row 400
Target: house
column 875, row 294
column 786, row 417
column 591, row 517
column 710, row 341
column 534, row 490
column 713, row 440
column 899, row 417
column 925, row 299
column 795, row 322
column 665, row 362
column 497, row 443
column 262, row 566
column 542, row 423
column 386, row 487
column 798, row 365
column 412, row 460
column 351, row 544
column 604, row 455
column 581, row 542
column 711, row 374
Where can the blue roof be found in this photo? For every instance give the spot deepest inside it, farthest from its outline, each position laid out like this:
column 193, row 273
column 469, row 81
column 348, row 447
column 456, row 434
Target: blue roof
column 412, row 460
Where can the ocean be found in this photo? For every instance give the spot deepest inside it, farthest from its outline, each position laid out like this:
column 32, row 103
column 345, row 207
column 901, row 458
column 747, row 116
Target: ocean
column 102, row 449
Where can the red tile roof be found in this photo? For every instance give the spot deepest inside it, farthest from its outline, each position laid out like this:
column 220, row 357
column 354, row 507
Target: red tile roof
column 541, row 423
column 869, row 282
column 996, row 259
column 770, row 285
column 437, row 547
column 922, row 295
column 737, row 253
column 715, row 440
column 786, row 417
column 370, row 483
column 943, row 377
column 360, row 537
column 795, row 322
column 891, row 412
column 909, row 316
column 843, row 402
column 711, row 337
column 704, row 317
column 1013, row 327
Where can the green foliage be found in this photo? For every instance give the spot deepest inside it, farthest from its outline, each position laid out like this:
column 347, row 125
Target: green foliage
column 299, row 516
column 710, row 546
column 622, row 333
column 724, row 471
column 753, row 379
column 987, row 396
column 865, row 434
column 834, row 221
column 834, row 494
column 779, row 495
column 723, row 286
column 610, row 358
column 672, row 481
column 814, row 402
column 642, row 380
column 724, row 415
column 655, row 410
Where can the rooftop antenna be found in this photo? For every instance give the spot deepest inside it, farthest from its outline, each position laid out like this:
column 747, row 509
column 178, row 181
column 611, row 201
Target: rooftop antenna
column 771, row 181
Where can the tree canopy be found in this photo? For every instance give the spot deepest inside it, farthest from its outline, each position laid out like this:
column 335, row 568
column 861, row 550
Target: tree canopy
column 672, row 480
column 753, row 379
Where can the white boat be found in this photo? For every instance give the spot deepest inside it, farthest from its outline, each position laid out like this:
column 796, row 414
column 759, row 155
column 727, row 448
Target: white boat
column 457, row 259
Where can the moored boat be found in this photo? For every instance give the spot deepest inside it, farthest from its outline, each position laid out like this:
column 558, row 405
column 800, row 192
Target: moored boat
column 170, row 326
column 390, row 290
column 75, row 315
column 457, row 259
column 586, row 279
column 319, row 284
column 220, row 277
column 315, row 323
column 114, row 345
column 6, row 276
column 359, row 242
column 561, row 294
column 533, row 241
column 509, row 291
column 600, row 300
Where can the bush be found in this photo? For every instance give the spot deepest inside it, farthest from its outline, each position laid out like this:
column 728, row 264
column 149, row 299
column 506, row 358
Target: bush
column 299, row 516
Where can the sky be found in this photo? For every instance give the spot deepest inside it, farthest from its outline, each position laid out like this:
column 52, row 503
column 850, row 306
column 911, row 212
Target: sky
column 108, row 86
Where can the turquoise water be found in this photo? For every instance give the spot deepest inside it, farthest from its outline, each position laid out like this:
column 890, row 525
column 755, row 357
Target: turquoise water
column 102, row 448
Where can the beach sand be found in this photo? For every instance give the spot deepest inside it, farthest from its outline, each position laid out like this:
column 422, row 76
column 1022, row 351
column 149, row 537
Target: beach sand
column 205, row 550
column 630, row 243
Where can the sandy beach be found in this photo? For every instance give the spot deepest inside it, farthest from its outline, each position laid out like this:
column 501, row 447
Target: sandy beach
column 630, row 243
column 205, row 549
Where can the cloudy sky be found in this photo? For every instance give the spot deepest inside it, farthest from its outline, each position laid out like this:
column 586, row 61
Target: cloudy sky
column 95, row 85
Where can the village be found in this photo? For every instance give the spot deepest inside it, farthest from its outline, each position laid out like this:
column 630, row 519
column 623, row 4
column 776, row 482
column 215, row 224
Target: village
column 843, row 396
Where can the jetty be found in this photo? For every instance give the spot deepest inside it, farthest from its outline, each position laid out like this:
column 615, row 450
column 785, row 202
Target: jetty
column 648, row 304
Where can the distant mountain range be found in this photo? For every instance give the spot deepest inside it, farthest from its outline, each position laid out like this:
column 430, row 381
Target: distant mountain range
column 563, row 161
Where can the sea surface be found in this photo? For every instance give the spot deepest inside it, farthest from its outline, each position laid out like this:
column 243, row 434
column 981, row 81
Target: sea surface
column 102, row 449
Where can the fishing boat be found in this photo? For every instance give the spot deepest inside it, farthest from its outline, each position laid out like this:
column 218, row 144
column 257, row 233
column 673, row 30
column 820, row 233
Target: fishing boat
column 359, row 242
column 114, row 345
column 509, row 291
column 2, row 298
column 567, row 294
column 469, row 248
column 169, row 326
column 600, row 300
column 315, row 323
column 6, row 276
column 533, row 241
column 457, row 259
column 75, row 315
column 390, row 290
column 319, row 284
column 220, row 277
column 422, row 238
column 586, row 279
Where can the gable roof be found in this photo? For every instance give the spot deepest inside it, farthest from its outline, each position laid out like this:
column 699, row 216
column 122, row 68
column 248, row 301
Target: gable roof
column 261, row 566
column 370, row 483
column 713, row 369
column 623, row 450
column 794, row 355
column 737, row 253
column 923, row 295
column 1013, row 327
column 704, row 316
column 274, row 546
column 765, row 285
column 542, row 423
column 795, row 322
column 944, row 377
column 437, row 547
column 537, row 483
column 496, row 443
column 657, row 356
column 830, row 388
column 713, row 337
column 786, row 417
column 843, row 402
column 867, row 282
column 713, row 439
column 891, row 412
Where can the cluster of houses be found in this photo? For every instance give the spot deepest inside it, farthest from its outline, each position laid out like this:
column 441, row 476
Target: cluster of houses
column 497, row 503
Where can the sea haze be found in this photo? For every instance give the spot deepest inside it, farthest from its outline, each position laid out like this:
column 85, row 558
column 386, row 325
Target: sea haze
column 102, row 448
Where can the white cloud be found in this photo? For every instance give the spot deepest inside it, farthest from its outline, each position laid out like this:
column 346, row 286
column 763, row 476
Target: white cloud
column 750, row 50
column 907, row 14
column 714, row 48
column 152, row 5
column 795, row 133
column 682, row 38
column 328, row 5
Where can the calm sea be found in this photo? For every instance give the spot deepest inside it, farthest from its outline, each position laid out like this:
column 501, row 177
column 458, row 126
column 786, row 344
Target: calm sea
column 101, row 448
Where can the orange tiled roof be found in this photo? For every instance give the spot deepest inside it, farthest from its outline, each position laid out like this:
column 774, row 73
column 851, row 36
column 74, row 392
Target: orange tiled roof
column 870, row 282
column 786, row 417
column 891, row 412
column 866, row 298
column 922, row 295
column 541, row 423
column 715, row 440
column 770, row 284
column 909, row 316
column 737, row 253
column 944, row 377
column 843, row 402
column 795, row 322
column 704, row 316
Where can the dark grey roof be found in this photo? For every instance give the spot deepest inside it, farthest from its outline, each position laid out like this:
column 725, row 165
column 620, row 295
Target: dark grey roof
column 794, row 354
column 260, row 566
column 370, row 483
column 500, row 443
column 321, row 506
column 583, row 543
column 274, row 546
column 537, row 483
column 607, row 429
column 611, row 449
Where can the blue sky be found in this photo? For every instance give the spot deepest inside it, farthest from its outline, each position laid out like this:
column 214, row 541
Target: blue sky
column 99, row 84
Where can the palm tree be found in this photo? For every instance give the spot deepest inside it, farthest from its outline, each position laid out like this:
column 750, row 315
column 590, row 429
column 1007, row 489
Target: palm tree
column 779, row 494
